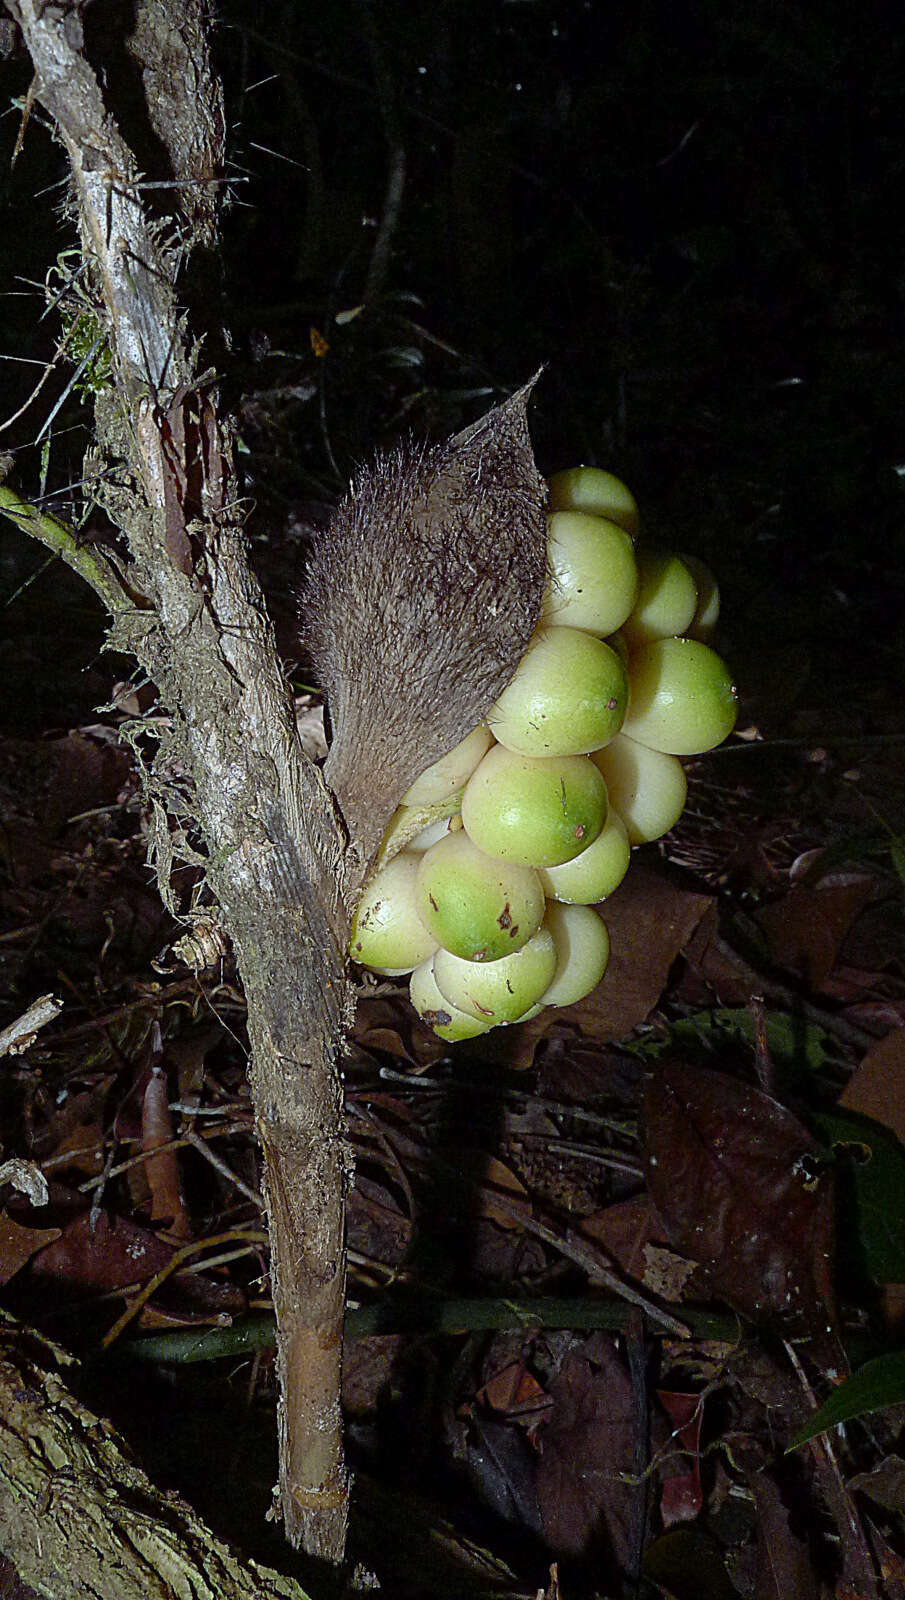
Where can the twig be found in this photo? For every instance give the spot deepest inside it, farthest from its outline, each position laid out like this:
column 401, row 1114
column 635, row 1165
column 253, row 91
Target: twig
column 81, row 556
column 184, row 1253
column 21, row 1034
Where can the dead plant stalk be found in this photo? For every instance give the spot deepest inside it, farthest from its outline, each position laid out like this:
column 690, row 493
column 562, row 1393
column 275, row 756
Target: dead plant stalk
column 190, row 611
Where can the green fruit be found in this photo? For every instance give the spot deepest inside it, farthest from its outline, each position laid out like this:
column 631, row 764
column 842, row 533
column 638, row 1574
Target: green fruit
column 596, row 872
column 647, row 789
column 439, row 1014
column 707, row 611
column 477, row 906
column 536, row 810
column 441, row 780
column 600, row 493
column 666, row 601
column 593, row 580
column 582, row 952
column 682, row 697
column 568, row 696
column 387, row 933
column 498, row 991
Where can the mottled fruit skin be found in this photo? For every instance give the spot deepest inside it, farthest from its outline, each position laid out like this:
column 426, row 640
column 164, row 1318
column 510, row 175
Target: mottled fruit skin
column 441, row 1016
column 682, row 698
column 568, row 696
column 666, row 601
column 387, row 933
column 479, row 907
column 593, row 573
column 537, row 810
column 596, row 872
column 498, row 991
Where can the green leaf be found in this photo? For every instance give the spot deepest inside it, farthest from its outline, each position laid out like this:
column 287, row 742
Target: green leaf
column 871, row 1190
column 792, row 1042
column 879, row 1383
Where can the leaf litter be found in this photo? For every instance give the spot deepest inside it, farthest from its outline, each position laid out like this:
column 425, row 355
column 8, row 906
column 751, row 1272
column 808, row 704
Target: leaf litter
column 523, row 1219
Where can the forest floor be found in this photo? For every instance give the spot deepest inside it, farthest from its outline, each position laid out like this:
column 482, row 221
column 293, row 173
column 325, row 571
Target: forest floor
column 604, row 1265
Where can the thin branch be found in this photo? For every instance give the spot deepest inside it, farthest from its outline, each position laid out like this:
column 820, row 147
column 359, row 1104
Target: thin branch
column 64, row 542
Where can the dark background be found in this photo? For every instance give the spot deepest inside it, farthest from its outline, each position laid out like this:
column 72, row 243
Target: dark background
column 691, row 214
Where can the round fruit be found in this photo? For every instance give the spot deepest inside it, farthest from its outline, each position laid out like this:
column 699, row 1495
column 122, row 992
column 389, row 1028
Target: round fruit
column 647, row 789
column 707, row 611
column 666, row 601
column 682, row 697
column 568, row 696
column 593, row 580
column 582, row 952
column 498, row 991
column 600, row 493
column 596, row 872
column 441, row 780
column 537, row 810
column 438, row 1013
column 479, row 907
column 387, row 934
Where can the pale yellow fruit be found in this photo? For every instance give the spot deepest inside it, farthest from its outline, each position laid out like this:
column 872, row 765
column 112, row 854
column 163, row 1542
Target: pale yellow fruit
column 441, row 1016
column 568, row 696
column 593, row 581
column 582, row 952
column 539, row 810
column 598, row 492
column 647, row 789
column 387, row 933
column 478, row 906
column 707, row 611
column 498, row 991
column 445, row 776
column 596, row 872
column 666, row 601
column 682, row 697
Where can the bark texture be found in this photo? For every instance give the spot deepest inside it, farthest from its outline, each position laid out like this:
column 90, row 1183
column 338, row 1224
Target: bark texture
column 433, row 569
column 79, row 1520
column 231, row 762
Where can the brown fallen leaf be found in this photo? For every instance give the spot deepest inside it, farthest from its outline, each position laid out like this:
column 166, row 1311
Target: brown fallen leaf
column 805, row 929
column 737, row 1185
column 649, row 920
column 587, row 1440
column 783, row 1560
column 18, row 1244
column 877, row 1086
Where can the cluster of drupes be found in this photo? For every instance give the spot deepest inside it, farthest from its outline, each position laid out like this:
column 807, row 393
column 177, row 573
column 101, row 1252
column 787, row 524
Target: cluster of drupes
column 491, row 866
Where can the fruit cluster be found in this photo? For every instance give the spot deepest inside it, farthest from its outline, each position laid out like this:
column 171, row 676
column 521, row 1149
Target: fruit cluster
column 493, row 862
